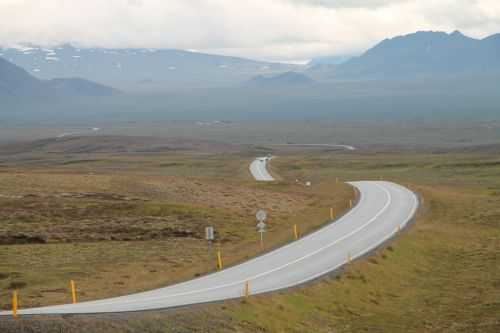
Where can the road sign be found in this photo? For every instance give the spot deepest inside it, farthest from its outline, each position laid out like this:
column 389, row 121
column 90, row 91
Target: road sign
column 261, row 215
column 209, row 233
column 261, row 227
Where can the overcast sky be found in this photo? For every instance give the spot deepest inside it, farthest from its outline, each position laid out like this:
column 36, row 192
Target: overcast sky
column 263, row 29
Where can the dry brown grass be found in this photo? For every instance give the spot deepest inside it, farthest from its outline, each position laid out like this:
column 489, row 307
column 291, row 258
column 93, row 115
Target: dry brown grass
column 441, row 275
column 136, row 229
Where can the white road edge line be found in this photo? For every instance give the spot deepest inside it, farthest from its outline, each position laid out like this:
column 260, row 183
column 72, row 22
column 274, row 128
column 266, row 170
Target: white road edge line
column 360, row 253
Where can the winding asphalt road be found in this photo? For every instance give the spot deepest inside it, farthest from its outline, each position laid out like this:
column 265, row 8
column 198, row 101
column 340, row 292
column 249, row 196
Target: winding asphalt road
column 258, row 169
column 382, row 209
column 325, row 145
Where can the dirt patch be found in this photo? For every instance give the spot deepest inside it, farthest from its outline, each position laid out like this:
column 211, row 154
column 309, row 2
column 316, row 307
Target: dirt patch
column 21, row 239
column 17, row 285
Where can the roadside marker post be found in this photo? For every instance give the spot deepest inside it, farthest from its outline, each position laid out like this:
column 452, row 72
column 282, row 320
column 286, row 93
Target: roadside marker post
column 247, row 289
column 350, row 203
column 331, row 213
column 73, row 291
column 296, row 231
column 14, row 304
column 349, row 258
column 219, row 260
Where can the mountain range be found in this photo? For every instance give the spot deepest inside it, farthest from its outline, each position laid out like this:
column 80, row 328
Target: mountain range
column 419, row 54
column 139, row 69
column 70, row 71
column 17, row 82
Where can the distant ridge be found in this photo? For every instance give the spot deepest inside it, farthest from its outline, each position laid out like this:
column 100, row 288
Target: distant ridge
column 420, row 54
column 287, row 79
column 139, row 69
column 79, row 87
column 15, row 81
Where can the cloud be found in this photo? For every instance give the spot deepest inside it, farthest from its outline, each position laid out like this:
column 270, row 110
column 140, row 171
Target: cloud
column 267, row 29
column 346, row 3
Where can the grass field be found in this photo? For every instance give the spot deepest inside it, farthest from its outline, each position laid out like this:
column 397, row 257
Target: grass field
column 128, row 223
column 441, row 275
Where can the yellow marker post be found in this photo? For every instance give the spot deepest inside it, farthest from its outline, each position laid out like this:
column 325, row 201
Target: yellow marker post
column 219, row 260
column 331, row 213
column 73, row 291
column 247, row 289
column 14, row 304
column 296, row 231
column 350, row 203
column 349, row 258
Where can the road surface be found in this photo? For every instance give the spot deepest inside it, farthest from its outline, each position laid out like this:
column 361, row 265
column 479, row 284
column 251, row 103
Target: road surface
column 258, row 168
column 383, row 208
column 346, row 147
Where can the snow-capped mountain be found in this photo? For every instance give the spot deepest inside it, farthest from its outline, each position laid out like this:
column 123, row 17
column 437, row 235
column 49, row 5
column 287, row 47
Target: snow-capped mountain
column 138, row 69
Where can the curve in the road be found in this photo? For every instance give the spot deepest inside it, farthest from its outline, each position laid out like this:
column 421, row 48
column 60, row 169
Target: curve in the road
column 258, row 169
column 383, row 208
column 330, row 145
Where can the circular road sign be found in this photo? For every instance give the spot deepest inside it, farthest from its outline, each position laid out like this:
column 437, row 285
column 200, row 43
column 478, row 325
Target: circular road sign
column 261, row 215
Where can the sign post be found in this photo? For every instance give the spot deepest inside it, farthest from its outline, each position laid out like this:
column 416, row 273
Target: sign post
column 210, row 237
column 261, row 226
